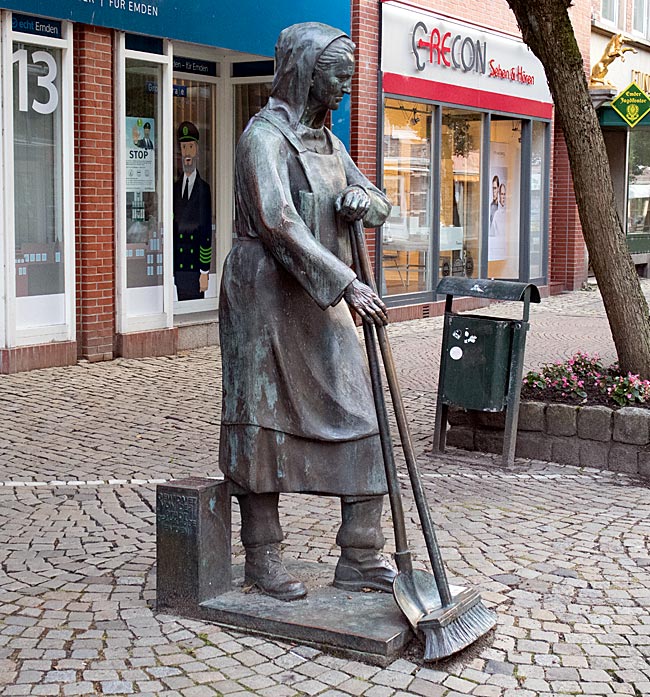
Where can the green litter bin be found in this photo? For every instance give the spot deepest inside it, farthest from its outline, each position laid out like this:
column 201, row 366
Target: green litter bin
column 478, row 362
column 482, row 358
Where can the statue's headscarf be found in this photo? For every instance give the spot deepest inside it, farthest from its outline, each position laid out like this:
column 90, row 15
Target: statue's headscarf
column 296, row 52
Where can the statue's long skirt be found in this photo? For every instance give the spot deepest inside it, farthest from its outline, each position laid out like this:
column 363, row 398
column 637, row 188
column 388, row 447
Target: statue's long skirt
column 298, row 413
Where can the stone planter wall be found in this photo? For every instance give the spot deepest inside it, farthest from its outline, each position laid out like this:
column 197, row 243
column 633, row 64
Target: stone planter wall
column 596, row 436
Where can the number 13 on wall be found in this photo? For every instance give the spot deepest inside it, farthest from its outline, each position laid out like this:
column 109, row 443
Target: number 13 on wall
column 46, row 81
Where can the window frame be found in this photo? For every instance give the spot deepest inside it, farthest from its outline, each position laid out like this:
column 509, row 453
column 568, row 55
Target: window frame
column 618, row 9
column 218, row 84
column 124, row 322
column 10, row 335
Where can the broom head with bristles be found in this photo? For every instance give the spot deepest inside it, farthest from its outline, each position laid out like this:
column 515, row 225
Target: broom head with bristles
column 450, row 629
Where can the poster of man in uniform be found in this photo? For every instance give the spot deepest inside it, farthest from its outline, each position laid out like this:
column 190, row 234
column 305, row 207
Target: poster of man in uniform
column 192, row 220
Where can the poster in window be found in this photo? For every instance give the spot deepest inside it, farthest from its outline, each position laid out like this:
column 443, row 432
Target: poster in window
column 140, row 154
column 498, row 209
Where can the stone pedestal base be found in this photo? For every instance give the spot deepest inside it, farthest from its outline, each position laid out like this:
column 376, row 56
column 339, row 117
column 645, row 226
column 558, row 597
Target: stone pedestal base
column 195, row 578
column 363, row 626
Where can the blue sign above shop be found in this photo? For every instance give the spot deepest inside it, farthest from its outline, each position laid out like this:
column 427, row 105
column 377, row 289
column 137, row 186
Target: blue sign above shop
column 36, row 25
column 250, row 26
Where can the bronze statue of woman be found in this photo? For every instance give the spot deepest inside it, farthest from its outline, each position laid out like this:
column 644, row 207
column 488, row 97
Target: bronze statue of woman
column 298, row 412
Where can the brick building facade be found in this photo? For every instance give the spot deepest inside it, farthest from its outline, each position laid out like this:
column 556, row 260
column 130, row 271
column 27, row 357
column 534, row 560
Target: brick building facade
column 89, row 266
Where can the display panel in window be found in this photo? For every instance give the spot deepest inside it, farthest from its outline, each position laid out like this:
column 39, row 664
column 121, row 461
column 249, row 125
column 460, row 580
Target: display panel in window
column 406, row 234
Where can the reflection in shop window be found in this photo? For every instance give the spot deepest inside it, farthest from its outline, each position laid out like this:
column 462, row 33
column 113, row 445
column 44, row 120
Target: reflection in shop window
column 638, row 195
column 38, row 180
column 406, row 234
column 249, row 99
column 460, row 193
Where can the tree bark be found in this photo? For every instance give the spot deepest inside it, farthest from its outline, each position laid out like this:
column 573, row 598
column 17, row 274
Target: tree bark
column 547, row 30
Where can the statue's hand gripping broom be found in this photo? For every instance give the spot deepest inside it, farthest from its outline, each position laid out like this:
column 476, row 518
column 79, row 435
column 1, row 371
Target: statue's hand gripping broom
column 450, row 618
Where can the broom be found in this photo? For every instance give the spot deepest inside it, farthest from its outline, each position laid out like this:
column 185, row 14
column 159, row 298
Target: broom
column 454, row 621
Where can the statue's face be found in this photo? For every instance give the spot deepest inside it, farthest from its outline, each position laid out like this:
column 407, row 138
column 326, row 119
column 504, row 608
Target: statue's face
column 331, row 84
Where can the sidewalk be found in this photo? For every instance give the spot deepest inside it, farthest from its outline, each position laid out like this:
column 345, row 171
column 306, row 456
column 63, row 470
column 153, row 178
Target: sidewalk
column 560, row 553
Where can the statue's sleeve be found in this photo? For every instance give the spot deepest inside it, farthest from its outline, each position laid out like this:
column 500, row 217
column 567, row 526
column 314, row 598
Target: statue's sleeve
column 379, row 204
column 265, row 191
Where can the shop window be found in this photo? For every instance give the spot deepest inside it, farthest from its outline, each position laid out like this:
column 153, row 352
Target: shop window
column 504, row 204
column 144, row 224
column 609, row 10
column 537, row 199
column 638, row 192
column 38, row 184
column 406, row 234
column 640, row 17
column 38, row 193
column 460, row 193
column 249, row 99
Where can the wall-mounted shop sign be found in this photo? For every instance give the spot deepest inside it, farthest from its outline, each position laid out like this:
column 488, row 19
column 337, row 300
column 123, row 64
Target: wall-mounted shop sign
column 431, row 47
column 39, row 26
column 632, row 104
column 224, row 24
column 195, row 66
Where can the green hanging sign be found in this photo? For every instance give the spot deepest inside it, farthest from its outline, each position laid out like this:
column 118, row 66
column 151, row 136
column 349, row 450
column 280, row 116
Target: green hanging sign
column 632, row 104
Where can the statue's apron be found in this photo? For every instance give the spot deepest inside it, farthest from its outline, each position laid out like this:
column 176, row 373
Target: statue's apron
column 327, row 179
column 308, row 423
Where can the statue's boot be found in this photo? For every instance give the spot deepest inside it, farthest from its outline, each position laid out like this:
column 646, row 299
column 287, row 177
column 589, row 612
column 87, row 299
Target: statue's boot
column 361, row 566
column 265, row 570
column 261, row 535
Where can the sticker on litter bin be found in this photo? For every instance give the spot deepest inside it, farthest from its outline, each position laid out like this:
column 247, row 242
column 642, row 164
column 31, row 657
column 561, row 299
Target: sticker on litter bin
column 456, row 353
column 468, row 338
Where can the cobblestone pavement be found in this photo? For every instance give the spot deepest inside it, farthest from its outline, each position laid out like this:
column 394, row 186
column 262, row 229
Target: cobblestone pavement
column 561, row 553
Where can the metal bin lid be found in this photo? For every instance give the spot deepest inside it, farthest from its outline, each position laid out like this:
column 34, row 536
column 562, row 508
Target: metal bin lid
column 487, row 288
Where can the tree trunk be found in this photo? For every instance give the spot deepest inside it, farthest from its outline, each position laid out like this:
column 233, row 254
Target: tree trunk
column 546, row 28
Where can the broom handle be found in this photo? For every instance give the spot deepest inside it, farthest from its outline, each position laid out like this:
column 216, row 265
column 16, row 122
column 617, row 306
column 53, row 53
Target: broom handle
column 403, row 554
column 402, row 424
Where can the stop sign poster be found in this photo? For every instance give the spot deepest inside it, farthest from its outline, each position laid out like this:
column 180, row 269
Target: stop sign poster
column 141, row 148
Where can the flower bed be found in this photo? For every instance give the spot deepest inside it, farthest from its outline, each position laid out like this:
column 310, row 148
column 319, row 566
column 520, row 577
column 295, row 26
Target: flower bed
column 577, row 413
column 583, row 379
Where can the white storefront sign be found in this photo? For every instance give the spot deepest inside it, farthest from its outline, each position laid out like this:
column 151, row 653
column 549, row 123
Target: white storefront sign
column 427, row 46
